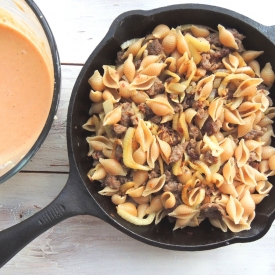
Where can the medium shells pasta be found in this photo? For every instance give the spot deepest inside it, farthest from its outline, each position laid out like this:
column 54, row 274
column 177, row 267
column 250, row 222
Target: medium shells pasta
column 181, row 128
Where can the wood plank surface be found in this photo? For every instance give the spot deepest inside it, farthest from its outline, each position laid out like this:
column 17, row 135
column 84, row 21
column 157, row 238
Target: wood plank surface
column 85, row 244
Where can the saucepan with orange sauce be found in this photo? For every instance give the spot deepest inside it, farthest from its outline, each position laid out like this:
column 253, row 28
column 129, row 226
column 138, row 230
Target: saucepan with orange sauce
column 30, row 76
column 81, row 196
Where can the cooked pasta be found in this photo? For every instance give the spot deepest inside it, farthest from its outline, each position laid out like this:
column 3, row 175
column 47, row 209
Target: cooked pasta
column 181, row 128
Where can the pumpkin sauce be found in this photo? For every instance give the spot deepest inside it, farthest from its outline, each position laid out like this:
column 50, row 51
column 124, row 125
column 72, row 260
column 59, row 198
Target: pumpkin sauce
column 26, row 91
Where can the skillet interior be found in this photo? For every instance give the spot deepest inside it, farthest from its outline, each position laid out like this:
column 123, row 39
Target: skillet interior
column 137, row 24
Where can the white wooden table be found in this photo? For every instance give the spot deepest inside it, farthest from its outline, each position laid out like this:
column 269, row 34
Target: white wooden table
column 84, row 244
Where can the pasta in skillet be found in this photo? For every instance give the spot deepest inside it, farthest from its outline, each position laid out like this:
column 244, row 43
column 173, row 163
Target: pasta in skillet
column 181, row 128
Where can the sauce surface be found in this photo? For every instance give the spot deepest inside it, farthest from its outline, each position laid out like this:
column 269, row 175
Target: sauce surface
column 26, row 90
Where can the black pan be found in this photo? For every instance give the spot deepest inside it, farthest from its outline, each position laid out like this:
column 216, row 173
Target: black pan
column 80, row 196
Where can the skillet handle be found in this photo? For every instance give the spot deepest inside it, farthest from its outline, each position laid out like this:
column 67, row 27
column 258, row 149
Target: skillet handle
column 72, row 200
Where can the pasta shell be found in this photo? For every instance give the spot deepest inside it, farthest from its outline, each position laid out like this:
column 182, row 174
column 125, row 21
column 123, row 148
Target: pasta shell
column 160, row 31
column 228, row 147
column 141, row 210
column 185, row 176
column 140, row 97
column 97, row 173
column 251, row 55
column 108, row 191
column 139, row 156
column 142, row 199
column 165, row 149
column 155, row 205
column 196, row 196
column 229, row 170
column 227, row 38
column 98, row 143
column 242, row 153
column 111, row 94
column 234, row 209
column 168, row 199
column 135, row 192
column 228, row 189
column 246, row 174
column 204, row 88
column 231, row 62
column 216, row 108
column 182, row 45
column 199, row 31
column 143, row 135
column 233, row 116
column 183, row 212
column 247, row 126
column 154, row 69
column 110, row 77
column 267, row 74
column 128, row 151
column 257, row 198
column 171, row 64
column 117, row 199
column 160, row 106
column 140, row 177
column 271, row 163
column 95, row 96
column 96, row 81
column 254, row 64
column 89, row 125
column 133, row 48
column 154, row 185
column 189, row 114
column 142, row 82
column 149, row 59
column 125, row 91
column 200, row 43
column 169, row 42
column 241, row 226
column 248, row 87
column 129, row 68
column 266, row 137
column 219, row 224
column 113, row 117
column 129, row 208
column 263, row 187
column 248, row 204
column 267, row 152
column 113, row 167
column 153, row 153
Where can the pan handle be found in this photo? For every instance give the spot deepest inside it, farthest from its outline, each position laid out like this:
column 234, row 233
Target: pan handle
column 73, row 200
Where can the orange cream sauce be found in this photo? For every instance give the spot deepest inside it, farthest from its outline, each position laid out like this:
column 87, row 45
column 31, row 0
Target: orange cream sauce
column 26, row 90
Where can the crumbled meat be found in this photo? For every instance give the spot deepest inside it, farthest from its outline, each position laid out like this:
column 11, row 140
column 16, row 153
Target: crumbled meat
column 254, row 164
column 190, row 150
column 255, row 133
column 211, row 127
column 209, row 63
column 209, row 159
column 156, row 119
column 220, row 53
column 169, row 135
column 112, row 181
column 155, row 48
column 194, row 131
column 172, row 186
column 168, row 175
column 96, row 155
column 137, row 64
column 212, row 211
column 126, row 112
column 177, row 152
column 118, row 152
column 119, row 59
column 156, row 88
column 213, row 39
column 153, row 174
column 188, row 101
column 119, row 129
column 199, row 104
column 145, row 109
column 236, row 34
column 134, row 120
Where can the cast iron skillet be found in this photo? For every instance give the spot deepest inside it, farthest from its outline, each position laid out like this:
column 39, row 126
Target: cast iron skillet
column 80, row 196
column 56, row 93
